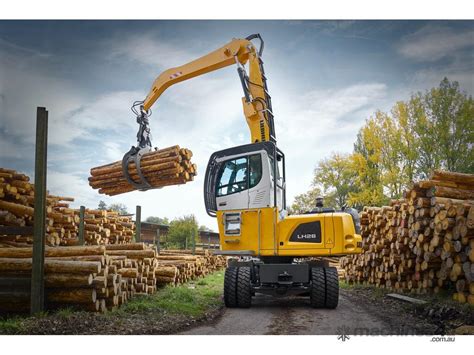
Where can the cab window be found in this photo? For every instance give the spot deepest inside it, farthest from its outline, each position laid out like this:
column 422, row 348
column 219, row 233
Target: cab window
column 255, row 173
column 233, row 177
column 240, row 174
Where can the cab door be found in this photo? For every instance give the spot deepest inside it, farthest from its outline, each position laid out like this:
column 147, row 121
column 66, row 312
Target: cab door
column 232, row 184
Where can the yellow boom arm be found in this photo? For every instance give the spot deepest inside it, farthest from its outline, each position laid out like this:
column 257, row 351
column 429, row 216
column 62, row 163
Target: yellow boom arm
column 256, row 102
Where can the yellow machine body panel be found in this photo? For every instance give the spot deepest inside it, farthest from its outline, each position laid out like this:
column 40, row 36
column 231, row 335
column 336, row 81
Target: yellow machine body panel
column 260, row 232
column 257, row 234
column 298, row 235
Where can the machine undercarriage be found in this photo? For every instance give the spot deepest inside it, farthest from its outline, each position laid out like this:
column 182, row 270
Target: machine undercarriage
column 245, row 278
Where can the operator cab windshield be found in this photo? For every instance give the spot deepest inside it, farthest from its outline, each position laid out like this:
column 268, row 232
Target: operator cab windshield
column 239, row 174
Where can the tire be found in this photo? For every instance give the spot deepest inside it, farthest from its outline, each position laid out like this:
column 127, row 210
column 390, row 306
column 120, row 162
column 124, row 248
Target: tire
column 244, row 287
column 230, row 287
column 332, row 287
column 318, row 288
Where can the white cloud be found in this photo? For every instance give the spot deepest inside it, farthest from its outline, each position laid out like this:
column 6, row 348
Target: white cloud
column 311, row 127
column 71, row 185
column 432, row 43
column 24, row 86
column 150, row 49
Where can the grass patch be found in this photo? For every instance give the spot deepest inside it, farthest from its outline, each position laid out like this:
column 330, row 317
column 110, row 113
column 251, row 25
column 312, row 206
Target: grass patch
column 12, row 325
column 65, row 312
column 191, row 299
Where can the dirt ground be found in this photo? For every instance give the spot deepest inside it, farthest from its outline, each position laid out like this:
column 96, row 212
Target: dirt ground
column 361, row 311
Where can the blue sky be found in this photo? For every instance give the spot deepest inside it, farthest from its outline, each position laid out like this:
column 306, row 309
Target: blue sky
column 325, row 78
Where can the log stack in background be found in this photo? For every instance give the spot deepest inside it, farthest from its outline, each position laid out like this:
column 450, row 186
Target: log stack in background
column 103, row 227
column 62, row 222
column 421, row 243
column 187, row 266
column 164, row 167
column 17, row 209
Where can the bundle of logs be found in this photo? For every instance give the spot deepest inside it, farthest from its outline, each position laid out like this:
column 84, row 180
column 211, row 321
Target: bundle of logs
column 97, row 278
column 164, row 167
column 422, row 242
column 62, row 222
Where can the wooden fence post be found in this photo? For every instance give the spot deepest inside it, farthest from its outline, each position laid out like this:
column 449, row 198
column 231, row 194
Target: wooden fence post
column 37, row 273
column 82, row 212
column 138, row 224
column 158, row 244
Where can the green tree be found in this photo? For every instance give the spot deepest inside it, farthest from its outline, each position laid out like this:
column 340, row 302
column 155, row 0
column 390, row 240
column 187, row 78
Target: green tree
column 203, row 228
column 102, row 205
column 158, row 220
column 429, row 131
column 119, row 207
column 305, row 202
column 367, row 161
column 450, row 114
column 406, row 116
column 336, row 177
column 182, row 231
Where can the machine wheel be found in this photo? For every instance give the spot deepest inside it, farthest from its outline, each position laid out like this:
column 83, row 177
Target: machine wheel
column 230, row 287
column 244, row 287
column 332, row 287
column 318, row 287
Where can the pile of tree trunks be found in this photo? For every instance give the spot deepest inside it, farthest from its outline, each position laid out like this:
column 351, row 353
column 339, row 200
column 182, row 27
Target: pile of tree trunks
column 163, row 167
column 421, row 243
column 78, row 277
column 103, row 227
column 17, row 210
column 136, row 263
column 62, row 222
column 179, row 266
column 97, row 278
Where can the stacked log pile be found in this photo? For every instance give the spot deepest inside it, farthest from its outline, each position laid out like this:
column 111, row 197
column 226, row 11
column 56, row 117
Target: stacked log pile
column 136, row 263
column 74, row 276
column 164, row 167
column 180, row 266
column 106, row 227
column 62, row 222
column 97, row 278
column 423, row 242
column 17, row 210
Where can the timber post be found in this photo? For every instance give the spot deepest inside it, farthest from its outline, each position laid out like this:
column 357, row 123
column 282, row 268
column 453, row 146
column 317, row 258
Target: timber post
column 138, row 224
column 82, row 212
column 158, row 244
column 37, row 273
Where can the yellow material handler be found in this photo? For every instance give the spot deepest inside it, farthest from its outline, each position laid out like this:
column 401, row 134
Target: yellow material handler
column 244, row 188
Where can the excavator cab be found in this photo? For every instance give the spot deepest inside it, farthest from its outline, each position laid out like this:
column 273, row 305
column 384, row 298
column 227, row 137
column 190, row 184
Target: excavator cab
column 245, row 177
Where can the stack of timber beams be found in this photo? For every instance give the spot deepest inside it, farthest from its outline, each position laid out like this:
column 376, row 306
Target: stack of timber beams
column 164, row 167
column 421, row 243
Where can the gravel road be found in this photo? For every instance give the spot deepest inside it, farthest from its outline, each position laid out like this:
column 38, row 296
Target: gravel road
column 292, row 315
